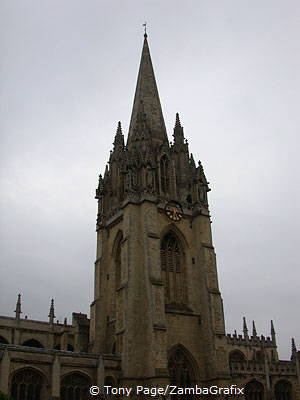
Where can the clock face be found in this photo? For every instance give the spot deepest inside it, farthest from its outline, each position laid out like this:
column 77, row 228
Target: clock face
column 174, row 211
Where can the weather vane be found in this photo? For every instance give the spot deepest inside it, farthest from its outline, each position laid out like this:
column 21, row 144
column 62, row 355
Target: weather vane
column 145, row 27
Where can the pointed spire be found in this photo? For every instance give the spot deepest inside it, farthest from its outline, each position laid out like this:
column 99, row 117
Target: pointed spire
column 18, row 310
column 245, row 329
column 294, row 349
column 254, row 333
column 177, row 121
column 51, row 312
column 147, row 93
column 106, row 172
column 178, row 131
column 192, row 161
column 273, row 333
column 119, row 139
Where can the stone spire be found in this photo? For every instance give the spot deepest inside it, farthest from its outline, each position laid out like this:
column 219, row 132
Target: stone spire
column 119, row 139
column 18, row 308
column 178, row 132
column 146, row 93
column 294, row 349
column 245, row 329
column 192, row 161
column 273, row 333
column 254, row 333
column 51, row 312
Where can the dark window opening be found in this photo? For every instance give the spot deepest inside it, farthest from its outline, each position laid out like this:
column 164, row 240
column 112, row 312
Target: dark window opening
column 27, row 385
column 33, row 343
column 171, row 260
column 75, row 387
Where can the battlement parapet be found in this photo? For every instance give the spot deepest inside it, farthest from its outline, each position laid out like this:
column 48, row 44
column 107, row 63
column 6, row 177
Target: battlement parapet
column 254, row 366
column 253, row 340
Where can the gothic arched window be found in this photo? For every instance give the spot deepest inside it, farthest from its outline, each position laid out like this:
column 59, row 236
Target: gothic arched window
column 259, row 356
column 180, row 369
column 236, row 356
column 27, row 384
column 283, row 390
column 254, row 390
column 75, row 387
column 171, row 267
column 164, row 174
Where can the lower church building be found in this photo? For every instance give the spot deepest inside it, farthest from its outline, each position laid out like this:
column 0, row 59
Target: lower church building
column 157, row 316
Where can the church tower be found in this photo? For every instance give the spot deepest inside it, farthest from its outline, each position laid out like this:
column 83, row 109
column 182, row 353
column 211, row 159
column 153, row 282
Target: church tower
column 157, row 303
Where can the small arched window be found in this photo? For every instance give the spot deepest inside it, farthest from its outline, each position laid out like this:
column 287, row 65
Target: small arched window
column 254, row 390
column 171, row 267
column 236, row 356
column 259, row 356
column 28, row 384
column 75, row 387
column 283, row 390
column 164, row 174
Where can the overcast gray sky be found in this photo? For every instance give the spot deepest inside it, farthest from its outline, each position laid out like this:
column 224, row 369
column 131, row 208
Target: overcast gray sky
column 68, row 74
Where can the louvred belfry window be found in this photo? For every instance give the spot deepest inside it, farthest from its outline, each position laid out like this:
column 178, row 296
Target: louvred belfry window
column 171, row 266
column 164, row 174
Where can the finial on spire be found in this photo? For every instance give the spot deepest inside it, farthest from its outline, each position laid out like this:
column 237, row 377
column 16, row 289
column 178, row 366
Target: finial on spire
column 145, row 29
column 106, row 172
column 273, row 333
column 18, row 310
column 178, row 131
column 119, row 138
column 254, row 333
column 192, row 161
column 51, row 312
column 294, row 348
column 177, row 121
column 119, row 129
column 245, row 329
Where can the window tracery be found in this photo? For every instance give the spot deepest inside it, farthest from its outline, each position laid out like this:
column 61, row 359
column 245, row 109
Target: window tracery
column 236, row 356
column 254, row 390
column 27, row 385
column 171, row 266
column 283, row 390
column 164, row 174
column 180, row 370
column 75, row 387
